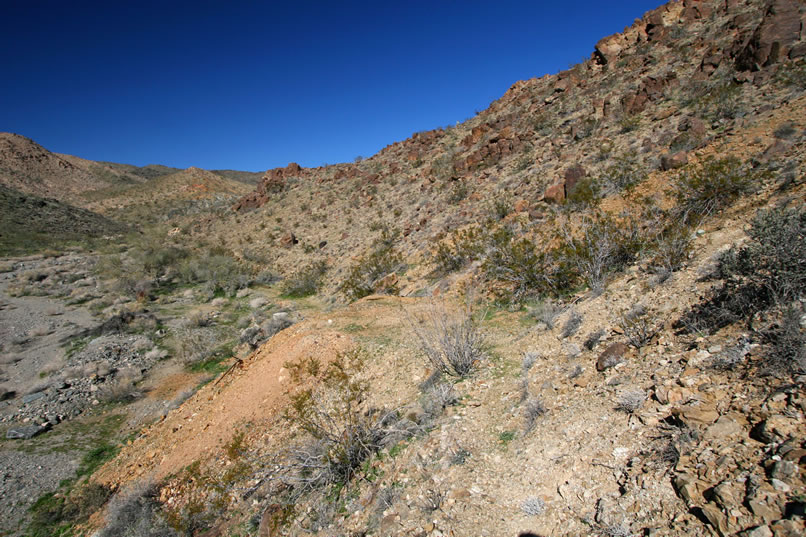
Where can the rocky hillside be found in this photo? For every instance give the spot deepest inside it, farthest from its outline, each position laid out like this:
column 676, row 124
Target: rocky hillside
column 620, row 224
column 30, row 168
column 581, row 312
column 675, row 87
column 27, row 220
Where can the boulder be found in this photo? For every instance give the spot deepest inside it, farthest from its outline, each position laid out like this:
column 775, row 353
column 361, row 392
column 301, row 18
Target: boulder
column 673, row 161
column 26, row 432
column 611, row 356
column 555, row 193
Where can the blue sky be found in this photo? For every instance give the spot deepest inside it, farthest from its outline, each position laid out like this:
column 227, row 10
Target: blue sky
column 255, row 85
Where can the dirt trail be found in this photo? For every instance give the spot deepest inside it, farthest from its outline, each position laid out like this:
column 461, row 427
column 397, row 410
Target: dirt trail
column 251, row 392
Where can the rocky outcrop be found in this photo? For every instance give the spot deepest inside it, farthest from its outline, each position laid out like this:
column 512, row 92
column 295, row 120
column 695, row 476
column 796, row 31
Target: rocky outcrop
column 779, row 36
column 274, row 182
column 651, row 90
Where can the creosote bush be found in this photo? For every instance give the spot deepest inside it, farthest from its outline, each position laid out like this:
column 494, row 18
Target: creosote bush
column 343, row 433
column 382, row 260
column 598, row 247
column 306, row 281
column 461, row 248
column 137, row 514
column 713, row 185
column 767, row 274
column 451, row 341
column 517, row 263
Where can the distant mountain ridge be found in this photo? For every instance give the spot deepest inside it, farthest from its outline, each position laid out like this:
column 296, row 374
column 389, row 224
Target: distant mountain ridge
column 29, row 168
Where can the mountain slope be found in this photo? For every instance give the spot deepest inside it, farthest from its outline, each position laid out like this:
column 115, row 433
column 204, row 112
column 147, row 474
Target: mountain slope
column 588, row 213
column 29, row 222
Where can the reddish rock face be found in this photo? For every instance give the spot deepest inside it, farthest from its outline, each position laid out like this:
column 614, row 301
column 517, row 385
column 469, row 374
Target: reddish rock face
column 555, row 193
column 273, row 182
column 775, row 38
column 651, row 90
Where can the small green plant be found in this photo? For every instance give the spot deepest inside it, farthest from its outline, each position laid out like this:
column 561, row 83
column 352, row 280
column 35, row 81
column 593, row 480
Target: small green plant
column 506, row 437
column 95, row 458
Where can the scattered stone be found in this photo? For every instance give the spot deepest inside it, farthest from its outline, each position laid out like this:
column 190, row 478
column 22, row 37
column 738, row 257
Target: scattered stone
column 611, row 356
column 784, row 470
column 758, row 531
column 26, row 432
column 31, row 397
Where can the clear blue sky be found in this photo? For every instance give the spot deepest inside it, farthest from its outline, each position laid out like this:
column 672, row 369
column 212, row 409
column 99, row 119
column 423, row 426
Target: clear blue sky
column 255, row 85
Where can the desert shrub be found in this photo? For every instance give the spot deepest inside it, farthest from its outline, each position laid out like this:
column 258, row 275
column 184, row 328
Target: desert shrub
column 519, row 266
column 157, row 260
column 712, row 186
column 451, row 341
column 501, row 207
column 367, row 271
column 671, row 247
column 586, row 193
column 532, row 409
column 265, row 277
column 624, row 174
column 194, row 345
column 306, row 281
column 136, row 514
column 786, row 352
column 442, row 168
column 459, row 192
column 770, row 270
column 600, row 246
column 546, row 312
column 785, row 131
column 436, row 399
column 720, row 101
column 791, row 74
column 572, row 324
column 630, row 401
column 462, row 247
column 629, row 123
column 342, row 432
column 533, row 506
column 775, row 257
column 638, row 325
column 218, row 270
